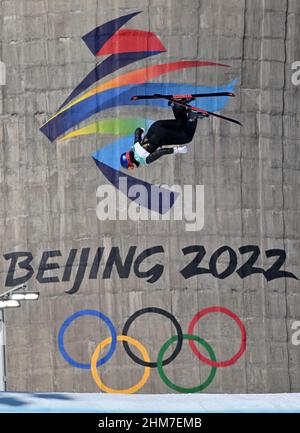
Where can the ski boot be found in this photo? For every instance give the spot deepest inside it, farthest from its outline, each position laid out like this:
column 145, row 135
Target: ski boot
column 195, row 115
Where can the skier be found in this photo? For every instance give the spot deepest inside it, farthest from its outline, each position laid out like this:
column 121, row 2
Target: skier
column 162, row 133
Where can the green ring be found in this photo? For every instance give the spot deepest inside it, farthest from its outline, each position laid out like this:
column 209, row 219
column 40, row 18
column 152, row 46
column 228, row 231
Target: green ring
column 172, row 385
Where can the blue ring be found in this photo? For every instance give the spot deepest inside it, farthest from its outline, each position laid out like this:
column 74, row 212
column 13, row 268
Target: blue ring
column 67, row 323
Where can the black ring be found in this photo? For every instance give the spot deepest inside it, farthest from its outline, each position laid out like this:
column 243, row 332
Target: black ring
column 163, row 313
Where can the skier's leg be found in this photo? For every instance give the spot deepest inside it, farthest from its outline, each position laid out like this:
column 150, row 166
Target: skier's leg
column 185, row 123
column 180, row 113
column 164, row 132
column 168, row 132
column 188, row 131
column 164, row 129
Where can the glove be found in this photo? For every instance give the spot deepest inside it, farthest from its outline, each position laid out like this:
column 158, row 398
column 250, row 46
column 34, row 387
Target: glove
column 180, row 149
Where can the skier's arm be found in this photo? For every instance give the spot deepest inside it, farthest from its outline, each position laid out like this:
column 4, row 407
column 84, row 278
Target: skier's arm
column 159, row 153
column 165, row 151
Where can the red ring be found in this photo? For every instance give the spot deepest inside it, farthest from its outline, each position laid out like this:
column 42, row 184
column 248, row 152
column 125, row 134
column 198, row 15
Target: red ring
column 240, row 324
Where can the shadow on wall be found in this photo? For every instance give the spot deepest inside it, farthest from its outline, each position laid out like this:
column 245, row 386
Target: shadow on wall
column 12, row 401
column 15, row 401
column 54, row 396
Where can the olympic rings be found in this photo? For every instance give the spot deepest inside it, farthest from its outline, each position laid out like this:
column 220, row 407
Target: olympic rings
column 240, row 324
column 167, row 381
column 163, row 313
column 145, row 362
column 96, row 376
column 68, row 322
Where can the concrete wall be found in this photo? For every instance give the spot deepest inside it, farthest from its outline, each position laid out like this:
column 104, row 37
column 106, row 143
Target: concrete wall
column 251, row 177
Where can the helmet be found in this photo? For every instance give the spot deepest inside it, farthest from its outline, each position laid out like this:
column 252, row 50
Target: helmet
column 126, row 162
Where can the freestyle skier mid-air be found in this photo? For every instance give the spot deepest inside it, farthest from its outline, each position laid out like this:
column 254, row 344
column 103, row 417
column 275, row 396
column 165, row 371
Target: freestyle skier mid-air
column 163, row 133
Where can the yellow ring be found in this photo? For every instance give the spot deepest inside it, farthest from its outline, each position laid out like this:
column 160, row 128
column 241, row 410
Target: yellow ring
column 95, row 358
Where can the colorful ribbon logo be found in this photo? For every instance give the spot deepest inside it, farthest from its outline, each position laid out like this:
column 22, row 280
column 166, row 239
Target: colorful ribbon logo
column 124, row 47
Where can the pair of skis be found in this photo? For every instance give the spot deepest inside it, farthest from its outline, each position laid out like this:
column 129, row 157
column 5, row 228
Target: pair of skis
column 179, row 100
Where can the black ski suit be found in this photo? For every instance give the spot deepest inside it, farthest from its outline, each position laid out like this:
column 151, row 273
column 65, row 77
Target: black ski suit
column 168, row 132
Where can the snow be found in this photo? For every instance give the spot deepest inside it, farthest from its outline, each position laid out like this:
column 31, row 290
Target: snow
column 150, row 403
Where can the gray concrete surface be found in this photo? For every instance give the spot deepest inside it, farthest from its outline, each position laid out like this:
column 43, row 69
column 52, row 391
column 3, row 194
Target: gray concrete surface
column 252, row 196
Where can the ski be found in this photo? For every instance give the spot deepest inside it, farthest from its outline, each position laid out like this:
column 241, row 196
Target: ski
column 204, row 112
column 183, row 96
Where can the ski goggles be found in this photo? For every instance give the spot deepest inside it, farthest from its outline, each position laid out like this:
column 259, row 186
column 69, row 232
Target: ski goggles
column 129, row 162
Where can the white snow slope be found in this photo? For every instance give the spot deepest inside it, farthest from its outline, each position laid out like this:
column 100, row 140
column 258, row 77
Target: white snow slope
column 148, row 403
